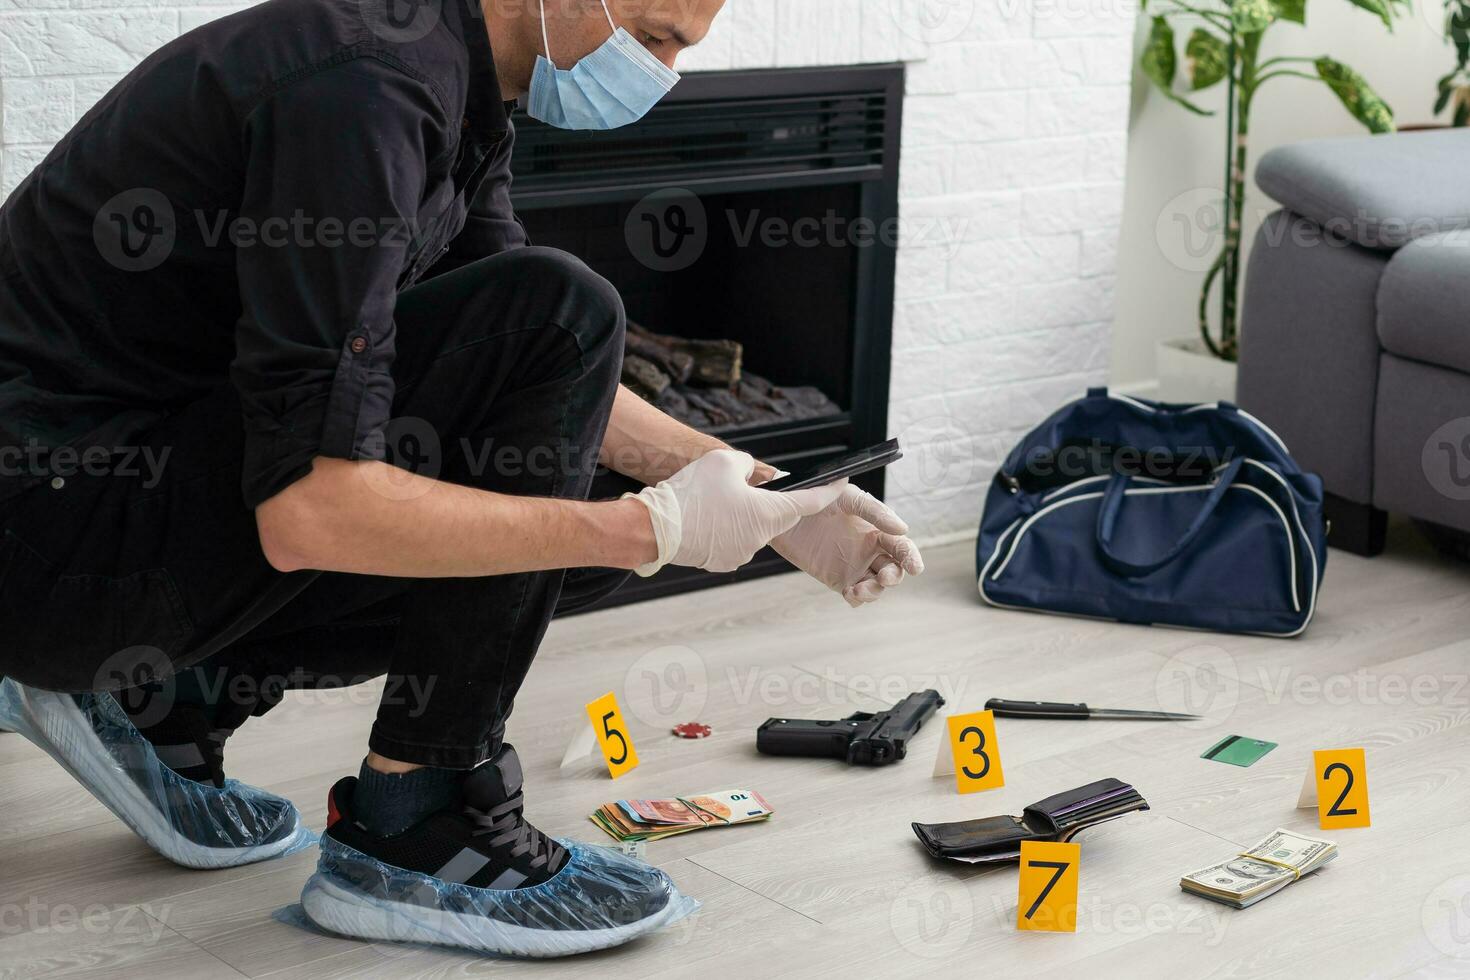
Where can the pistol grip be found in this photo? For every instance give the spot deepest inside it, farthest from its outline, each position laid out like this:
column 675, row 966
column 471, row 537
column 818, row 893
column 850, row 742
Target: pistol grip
column 792, row 736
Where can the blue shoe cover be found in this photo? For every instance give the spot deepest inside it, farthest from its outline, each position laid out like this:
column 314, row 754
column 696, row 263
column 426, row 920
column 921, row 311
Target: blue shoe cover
column 601, row 898
column 192, row 824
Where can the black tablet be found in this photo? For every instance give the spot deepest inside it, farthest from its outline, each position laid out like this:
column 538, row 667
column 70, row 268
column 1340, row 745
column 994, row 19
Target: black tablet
column 853, row 464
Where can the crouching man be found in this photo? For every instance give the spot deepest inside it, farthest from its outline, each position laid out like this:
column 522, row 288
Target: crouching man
column 256, row 264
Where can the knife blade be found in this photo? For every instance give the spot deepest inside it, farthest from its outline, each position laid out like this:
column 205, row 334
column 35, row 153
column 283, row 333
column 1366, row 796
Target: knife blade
column 1078, row 712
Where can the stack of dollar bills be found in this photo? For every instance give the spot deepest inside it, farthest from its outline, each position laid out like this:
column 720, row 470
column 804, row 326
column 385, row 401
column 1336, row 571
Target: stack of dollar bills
column 1261, row 871
column 638, row 820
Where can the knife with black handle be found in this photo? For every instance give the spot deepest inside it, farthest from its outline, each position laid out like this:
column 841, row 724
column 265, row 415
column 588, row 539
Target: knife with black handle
column 1077, row 712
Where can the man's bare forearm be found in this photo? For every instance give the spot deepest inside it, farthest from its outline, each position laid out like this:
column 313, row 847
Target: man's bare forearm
column 649, row 446
column 370, row 518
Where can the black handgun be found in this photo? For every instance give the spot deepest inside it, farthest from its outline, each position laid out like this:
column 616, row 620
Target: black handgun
column 863, row 739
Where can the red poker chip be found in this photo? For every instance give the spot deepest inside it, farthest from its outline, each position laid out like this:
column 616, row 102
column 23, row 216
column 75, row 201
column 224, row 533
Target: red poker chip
column 693, row 729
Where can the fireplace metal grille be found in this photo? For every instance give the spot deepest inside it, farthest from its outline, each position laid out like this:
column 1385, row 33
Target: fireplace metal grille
column 784, row 135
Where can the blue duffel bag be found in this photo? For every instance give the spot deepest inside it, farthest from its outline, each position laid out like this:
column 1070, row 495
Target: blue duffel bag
column 1179, row 515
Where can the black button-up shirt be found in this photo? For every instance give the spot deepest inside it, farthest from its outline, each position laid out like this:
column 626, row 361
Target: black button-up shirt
column 244, row 208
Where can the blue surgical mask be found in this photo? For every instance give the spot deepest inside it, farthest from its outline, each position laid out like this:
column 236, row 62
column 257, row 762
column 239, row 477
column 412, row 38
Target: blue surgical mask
column 613, row 86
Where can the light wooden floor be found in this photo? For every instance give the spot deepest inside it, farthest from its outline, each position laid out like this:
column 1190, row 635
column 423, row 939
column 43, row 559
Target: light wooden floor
column 836, row 882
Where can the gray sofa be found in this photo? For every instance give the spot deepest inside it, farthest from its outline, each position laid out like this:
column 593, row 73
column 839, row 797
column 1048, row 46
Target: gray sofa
column 1355, row 325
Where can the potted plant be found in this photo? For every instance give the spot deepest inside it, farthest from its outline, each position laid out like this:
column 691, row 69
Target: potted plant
column 1224, row 45
column 1454, row 88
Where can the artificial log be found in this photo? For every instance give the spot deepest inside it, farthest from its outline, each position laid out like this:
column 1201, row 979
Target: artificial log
column 715, row 363
column 702, row 383
column 755, row 401
column 678, row 365
column 719, row 406
column 644, row 378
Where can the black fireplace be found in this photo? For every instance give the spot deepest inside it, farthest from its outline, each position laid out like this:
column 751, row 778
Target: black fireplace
column 753, row 206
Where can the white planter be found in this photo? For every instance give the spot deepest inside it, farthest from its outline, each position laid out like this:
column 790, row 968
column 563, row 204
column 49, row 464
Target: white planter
column 1189, row 373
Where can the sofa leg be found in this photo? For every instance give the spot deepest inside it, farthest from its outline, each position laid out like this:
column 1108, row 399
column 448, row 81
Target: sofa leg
column 1359, row 529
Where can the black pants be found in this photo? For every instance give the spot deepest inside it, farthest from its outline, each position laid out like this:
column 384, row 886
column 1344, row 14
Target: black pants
column 506, row 372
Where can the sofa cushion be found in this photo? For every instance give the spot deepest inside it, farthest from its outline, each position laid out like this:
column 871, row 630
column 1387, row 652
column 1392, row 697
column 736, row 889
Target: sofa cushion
column 1424, row 301
column 1377, row 191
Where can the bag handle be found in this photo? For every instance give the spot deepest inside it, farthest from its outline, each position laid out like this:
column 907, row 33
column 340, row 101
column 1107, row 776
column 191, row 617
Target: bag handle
column 1112, row 504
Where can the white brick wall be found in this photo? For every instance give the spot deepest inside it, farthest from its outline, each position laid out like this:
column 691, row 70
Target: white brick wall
column 1014, row 150
column 1015, row 141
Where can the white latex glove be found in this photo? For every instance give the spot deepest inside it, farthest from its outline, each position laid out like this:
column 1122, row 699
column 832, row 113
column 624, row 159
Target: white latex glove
column 708, row 515
column 856, row 547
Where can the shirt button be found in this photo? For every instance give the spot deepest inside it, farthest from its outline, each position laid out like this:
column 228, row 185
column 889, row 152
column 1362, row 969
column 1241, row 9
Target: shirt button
column 359, row 344
column 57, row 483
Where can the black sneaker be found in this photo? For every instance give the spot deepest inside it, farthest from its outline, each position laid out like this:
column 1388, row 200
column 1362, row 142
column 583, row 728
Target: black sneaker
column 480, row 877
column 184, row 739
column 187, row 734
column 190, row 823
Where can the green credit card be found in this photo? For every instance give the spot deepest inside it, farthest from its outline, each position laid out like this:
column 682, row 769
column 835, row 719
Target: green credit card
column 1237, row 750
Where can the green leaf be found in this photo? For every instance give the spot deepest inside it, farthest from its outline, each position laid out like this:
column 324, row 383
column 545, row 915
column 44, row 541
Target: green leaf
column 1252, row 16
column 1159, row 63
column 1185, row 103
column 1380, row 8
column 1454, row 88
column 1356, row 95
column 1446, row 92
column 1158, row 59
column 1207, row 58
column 1458, row 19
column 1292, row 10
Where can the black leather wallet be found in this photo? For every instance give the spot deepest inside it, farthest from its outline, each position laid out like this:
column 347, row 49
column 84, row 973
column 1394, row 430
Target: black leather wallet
column 1056, row 818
